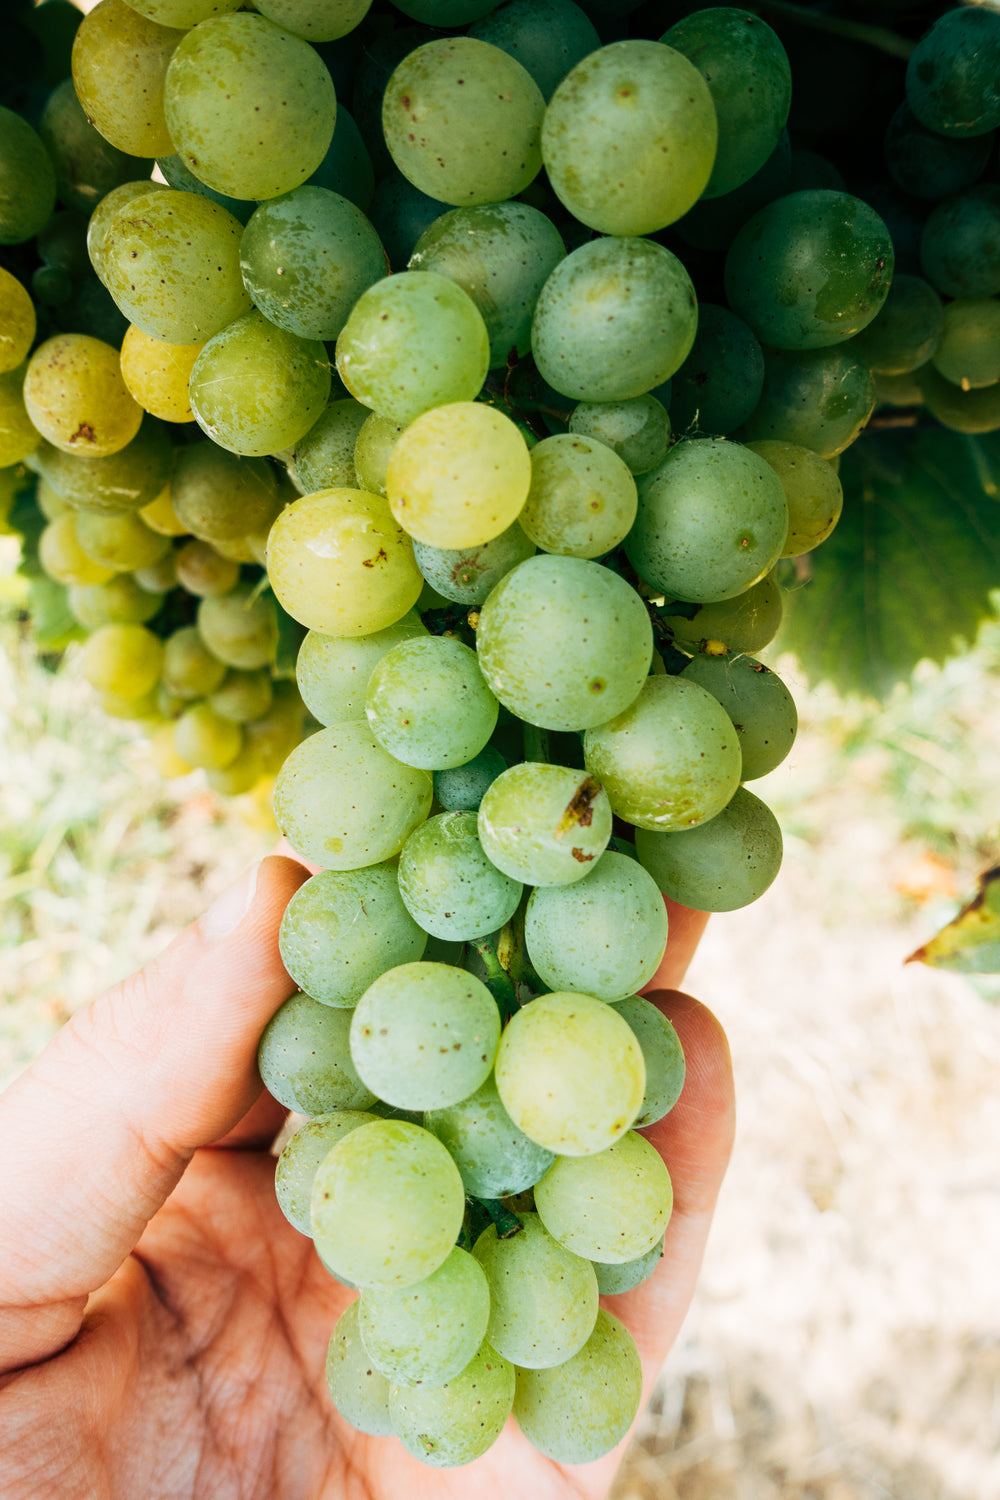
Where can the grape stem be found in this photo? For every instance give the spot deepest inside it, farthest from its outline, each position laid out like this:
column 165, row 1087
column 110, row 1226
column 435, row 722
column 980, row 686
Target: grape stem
column 536, row 744
column 879, row 37
column 497, row 980
column 507, row 1223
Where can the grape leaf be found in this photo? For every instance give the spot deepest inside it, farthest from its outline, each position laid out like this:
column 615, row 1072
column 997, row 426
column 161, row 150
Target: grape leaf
column 970, row 943
column 907, row 573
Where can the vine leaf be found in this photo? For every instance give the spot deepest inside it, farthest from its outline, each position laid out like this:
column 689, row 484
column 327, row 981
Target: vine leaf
column 970, row 943
column 908, row 572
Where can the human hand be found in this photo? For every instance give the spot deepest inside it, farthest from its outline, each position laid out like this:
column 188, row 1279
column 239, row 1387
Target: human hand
column 162, row 1327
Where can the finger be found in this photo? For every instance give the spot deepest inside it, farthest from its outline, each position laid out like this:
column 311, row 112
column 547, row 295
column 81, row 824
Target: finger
column 259, row 1127
column 684, row 932
column 98, row 1131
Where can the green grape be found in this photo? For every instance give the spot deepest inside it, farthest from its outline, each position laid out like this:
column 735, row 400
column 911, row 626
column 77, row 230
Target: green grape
column 347, row 166
column 183, row 13
column 171, row 262
column 204, row 739
column 449, row 885
column 462, row 788
column 305, row 1059
column 344, row 928
column 307, row 258
column 495, row 1158
column 106, row 213
column 428, row 704
column 18, row 434
column 123, row 659
column 570, row 1072
column 813, row 493
column 424, row 1035
column 324, row 457
column 340, row 564
column 120, row 61
column 610, row 1206
column 501, row 254
column 548, row 37
column 297, row 1165
column 377, row 436
column 958, row 247
column 49, row 501
column 629, row 138
column 544, row 824
column 401, row 213
column 721, row 866
column 158, row 577
column 750, row 84
column 969, row 352
column 63, row 558
column 906, row 332
column 662, row 1053
column 670, row 761
column 332, row 672
column 387, row 1203
column 240, row 775
column 953, row 75
column 466, row 575
column 75, row 396
column 203, row 571
column 256, row 389
column 157, row 374
column 360, row 1392
column 582, row 501
column 413, row 341
column 615, row 318
column 720, row 382
column 714, row 222
column 87, row 166
column 275, row 734
column 564, row 643
column 135, row 710
column 962, row 411
column 747, row 623
column 817, row 398
column 17, row 322
column 177, row 174
column 462, row 121
column 426, row 1334
column 243, row 696
column 445, row 12
column 451, row 1424
column 240, row 627
column 218, row 496
column 637, row 430
column 343, row 802
column 543, row 1298
column 316, row 20
column 928, row 165
column 189, row 668
column 250, row 108
column 27, row 180
column 118, row 601
column 604, row 934
column 579, row 1410
column 899, row 390
column 459, row 475
column 759, row 704
column 120, row 541
column 613, row 1280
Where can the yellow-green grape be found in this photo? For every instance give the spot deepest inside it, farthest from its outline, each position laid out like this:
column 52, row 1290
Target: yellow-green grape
column 27, row 180
column 251, row 109
column 376, row 439
column 119, row 65
column 612, row 1206
column 459, row 475
column 106, row 213
column 241, row 549
column 167, row 761
column 241, row 627
column 75, row 396
column 159, row 515
column 158, row 577
column 17, row 322
column 62, row 557
column 360, row 1392
column 220, row 497
column 121, row 542
column 203, row 571
column 243, row 696
column 157, row 374
column 49, row 500
column 813, row 491
column 204, row 739
column 12, row 480
column 583, row 499
column 189, row 668
column 962, row 411
column 133, row 710
column 579, row 1410
column 184, row 13
column 120, row 601
column 123, row 659
column 275, row 734
column 240, row 776
column 339, row 563
column 747, row 623
column 969, row 352
column 18, row 434
column 316, row 20
column 455, row 1423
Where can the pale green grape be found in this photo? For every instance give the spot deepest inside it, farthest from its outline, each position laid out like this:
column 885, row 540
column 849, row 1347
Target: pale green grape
column 250, row 108
column 818, row 398
column 344, row 802
column 582, row 501
column 64, row 559
column 183, row 13
column 75, row 396
column 449, row 885
column 305, row 1059
column 27, row 180
column 218, row 496
column 613, row 1280
column 425, row 1335
column 570, row 1073
column 637, row 430
column 467, row 574
column 203, row 738
column 544, row 824
column 661, row 1050
column 629, row 138
column 387, row 1203
column 240, row 775
column 724, row 864
column 189, row 668
column 610, row 1206
column 494, row 1157
column 605, row 934
column 564, row 643
column 203, row 571
column 296, row 1167
column 332, row 672
column 316, row 20
column 543, row 1298
column 324, row 458
column 428, row 704
column 124, row 659
column 240, row 627
column 360, row 1392
column 459, row 475
column 812, row 489
column 462, row 788
column 546, row 36
column 344, row 928
column 761, row 708
column 579, row 1410
column 18, row 434
column 339, row 563
column 122, row 542
column 377, row 436
column 451, row 1424
column 413, row 341
column 243, row 696
column 275, row 734
column 119, row 601
column 424, row 1035
column 127, row 480
column 17, row 322
column 106, row 212
column 120, row 61
column 747, row 623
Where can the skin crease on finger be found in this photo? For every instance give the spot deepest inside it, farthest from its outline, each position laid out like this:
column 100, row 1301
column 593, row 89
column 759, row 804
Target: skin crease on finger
column 198, row 1369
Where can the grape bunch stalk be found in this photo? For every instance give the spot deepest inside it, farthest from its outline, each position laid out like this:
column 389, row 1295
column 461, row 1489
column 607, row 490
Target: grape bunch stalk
column 439, row 461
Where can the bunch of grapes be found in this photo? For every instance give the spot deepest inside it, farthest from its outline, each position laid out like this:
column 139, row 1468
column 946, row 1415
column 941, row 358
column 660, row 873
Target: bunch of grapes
column 424, row 399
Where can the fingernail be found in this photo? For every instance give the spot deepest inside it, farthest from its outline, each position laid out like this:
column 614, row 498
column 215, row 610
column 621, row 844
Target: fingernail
column 228, row 910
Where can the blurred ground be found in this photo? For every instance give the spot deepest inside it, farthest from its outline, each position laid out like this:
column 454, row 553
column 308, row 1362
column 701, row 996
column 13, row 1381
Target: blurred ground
column 845, row 1342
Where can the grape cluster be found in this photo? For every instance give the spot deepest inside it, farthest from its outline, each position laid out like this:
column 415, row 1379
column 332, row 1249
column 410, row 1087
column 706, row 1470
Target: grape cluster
column 494, row 405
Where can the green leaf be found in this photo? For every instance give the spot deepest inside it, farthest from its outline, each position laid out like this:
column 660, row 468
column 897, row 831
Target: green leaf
column 290, row 637
column 970, row 943
column 908, row 572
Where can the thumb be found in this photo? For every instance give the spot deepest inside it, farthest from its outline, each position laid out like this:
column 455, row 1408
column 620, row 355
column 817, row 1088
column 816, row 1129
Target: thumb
column 98, row 1131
